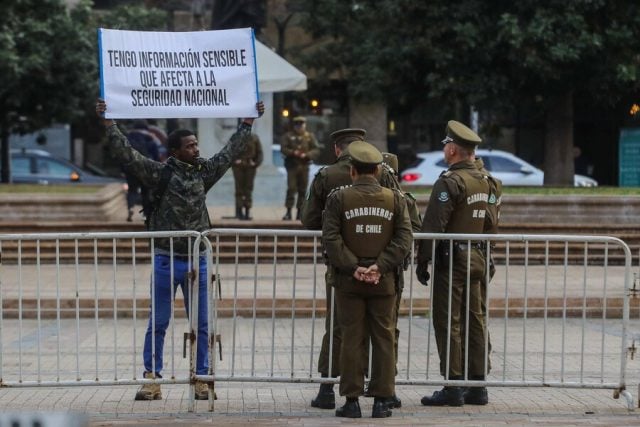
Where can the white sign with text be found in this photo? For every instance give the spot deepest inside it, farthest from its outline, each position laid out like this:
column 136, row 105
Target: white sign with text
column 148, row 74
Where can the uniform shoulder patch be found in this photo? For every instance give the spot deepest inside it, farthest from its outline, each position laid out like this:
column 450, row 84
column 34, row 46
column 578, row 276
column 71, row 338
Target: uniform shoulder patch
column 443, row 197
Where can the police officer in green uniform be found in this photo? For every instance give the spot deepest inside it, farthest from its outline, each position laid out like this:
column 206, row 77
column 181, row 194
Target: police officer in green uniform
column 299, row 147
column 366, row 233
column 479, row 395
column 328, row 179
column 244, row 174
column 390, row 162
column 459, row 203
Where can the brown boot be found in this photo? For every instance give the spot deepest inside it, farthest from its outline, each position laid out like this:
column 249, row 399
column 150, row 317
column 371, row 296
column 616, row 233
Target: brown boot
column 202, row 391
column 149, row 391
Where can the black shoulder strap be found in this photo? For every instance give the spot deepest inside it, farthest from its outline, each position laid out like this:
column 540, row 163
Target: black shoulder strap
column 158, row 192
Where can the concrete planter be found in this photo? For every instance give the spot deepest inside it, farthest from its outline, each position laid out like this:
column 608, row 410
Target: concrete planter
column 105, row 204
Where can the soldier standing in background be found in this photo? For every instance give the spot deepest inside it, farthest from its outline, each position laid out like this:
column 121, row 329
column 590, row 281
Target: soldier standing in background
column 299, row 147
column 244, row 174
column 366, row 233
column 459, row 203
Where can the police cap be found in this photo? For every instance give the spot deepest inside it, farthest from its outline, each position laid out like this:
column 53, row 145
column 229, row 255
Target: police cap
column 364, row 153
column 348, row 135
column 461, row 134
column 299, row 119
column 391, row 160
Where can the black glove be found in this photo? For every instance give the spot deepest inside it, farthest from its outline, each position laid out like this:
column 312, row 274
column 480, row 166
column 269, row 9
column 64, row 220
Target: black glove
column 422, row 272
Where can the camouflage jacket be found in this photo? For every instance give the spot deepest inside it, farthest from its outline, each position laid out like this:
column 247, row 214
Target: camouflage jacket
column 183, row 205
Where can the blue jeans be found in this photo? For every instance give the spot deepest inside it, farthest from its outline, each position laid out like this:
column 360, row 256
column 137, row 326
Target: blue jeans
column 164, row 292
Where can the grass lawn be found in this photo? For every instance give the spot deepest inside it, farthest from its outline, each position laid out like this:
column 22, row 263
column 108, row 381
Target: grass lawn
column 59, row 189
column 560, row 191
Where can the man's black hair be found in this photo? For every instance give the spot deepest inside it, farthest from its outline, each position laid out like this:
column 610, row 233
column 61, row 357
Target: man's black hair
column 364, row 169
column 174, row 141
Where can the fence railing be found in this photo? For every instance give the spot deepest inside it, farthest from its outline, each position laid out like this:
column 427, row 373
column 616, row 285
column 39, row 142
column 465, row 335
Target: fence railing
column 78, row 320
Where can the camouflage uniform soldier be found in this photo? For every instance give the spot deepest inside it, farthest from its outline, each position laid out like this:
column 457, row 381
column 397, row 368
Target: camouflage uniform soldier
column 186, row 178
column 299, row 147
column 458, row 204
column 244, row 174
column 366, row 233
column 328, row 179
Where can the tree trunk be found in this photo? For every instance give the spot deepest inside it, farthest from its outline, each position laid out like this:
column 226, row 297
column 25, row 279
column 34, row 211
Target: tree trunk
column 372, row 117
column 5, row 152
column 558, row 141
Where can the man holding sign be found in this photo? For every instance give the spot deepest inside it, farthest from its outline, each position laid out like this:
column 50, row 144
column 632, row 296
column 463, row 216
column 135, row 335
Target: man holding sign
column 181, row 185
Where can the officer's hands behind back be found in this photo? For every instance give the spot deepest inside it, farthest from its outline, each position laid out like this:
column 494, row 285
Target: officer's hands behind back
column 422, row 272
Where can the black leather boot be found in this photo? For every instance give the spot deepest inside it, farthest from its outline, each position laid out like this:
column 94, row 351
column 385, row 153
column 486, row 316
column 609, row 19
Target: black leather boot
column 476, row 395
column 246, row 215
column 394, row 402
column 351, row 409
column 287, row 216
column 299, row 214
column 326, row 398
column 380, row 408
column 238, row 213
column 448, row 396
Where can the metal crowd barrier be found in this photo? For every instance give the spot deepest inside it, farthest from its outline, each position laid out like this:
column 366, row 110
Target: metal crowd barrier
column 64, row 298
column 557, row 311
column 552, row 324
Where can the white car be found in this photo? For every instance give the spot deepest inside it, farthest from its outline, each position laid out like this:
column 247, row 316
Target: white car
column 510, row 169
column 278, row 161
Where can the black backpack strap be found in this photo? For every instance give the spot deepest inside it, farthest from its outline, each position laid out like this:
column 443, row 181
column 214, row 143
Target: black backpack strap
column 158, row 192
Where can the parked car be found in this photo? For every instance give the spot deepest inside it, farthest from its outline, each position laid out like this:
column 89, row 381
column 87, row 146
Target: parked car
column 278, row 161
column 41, row 167
column 511, row 169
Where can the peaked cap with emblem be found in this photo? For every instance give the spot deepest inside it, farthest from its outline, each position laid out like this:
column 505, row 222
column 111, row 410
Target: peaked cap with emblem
column 391, row 160
column 461, row 134
column 364, row 153
column 348, row 135
column 299, row 119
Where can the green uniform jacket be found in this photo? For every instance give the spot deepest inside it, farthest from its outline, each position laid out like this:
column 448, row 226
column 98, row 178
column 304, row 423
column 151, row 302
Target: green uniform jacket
column 343, row 258
column 449, row 211
column 306, row 143
column 183, row 205
column 328, row 179
column 252, row 156
column 495, row 200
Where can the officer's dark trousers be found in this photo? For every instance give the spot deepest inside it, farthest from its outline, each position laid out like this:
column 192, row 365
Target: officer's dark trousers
column 457, row 294
column 357, row 314
column 297, row 181
column 244, row 178
column 323, row 358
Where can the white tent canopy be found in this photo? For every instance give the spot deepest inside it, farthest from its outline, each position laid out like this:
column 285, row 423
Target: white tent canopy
column 275, row 74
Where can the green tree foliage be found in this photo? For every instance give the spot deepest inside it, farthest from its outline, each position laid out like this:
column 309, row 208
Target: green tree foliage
column 491, row 54
column 45, row 56
column 49, row 62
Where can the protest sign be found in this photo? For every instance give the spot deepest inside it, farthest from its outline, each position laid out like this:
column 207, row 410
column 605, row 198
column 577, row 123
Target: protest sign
column 148, row 74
